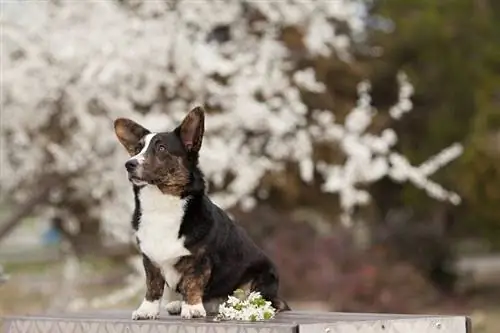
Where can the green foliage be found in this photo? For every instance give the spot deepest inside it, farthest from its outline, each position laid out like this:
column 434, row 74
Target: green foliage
column 451, row 51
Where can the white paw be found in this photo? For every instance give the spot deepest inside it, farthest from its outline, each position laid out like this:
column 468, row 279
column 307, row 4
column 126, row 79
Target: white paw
column 192, row 311
column 174, row 307
column 147, row 310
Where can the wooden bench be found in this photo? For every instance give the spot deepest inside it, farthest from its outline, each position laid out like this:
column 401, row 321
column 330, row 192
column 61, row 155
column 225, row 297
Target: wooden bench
column 291, row 322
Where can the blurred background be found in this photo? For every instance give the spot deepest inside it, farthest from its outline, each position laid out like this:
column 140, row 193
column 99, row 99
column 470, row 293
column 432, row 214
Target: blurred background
column 358, row 142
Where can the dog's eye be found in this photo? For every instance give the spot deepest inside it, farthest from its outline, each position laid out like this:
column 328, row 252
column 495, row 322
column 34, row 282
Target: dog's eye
column 161, row 148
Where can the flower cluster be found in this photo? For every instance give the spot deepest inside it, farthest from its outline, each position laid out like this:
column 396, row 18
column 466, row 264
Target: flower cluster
column 247, row 308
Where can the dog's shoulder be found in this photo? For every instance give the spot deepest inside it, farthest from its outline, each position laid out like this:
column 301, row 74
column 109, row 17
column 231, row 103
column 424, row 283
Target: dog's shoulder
column 202, row 219
column 209, row 226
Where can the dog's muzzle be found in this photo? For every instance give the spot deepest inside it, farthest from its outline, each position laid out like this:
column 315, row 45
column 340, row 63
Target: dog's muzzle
column 131, row 165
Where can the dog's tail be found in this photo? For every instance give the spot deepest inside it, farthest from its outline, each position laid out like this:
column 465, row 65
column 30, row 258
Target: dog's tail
column 280, row 305
column 264, row 278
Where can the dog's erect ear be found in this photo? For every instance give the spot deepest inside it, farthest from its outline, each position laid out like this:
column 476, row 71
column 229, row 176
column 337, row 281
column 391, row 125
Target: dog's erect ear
column 129, row 133
column 192, row 128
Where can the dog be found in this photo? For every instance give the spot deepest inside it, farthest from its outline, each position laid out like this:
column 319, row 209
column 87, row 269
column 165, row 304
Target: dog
column 193, row 252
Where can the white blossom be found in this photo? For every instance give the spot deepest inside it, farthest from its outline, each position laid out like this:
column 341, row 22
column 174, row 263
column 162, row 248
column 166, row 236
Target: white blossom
column 370, row 157
column 306, row 79
column 99, row 60
column 404, row 104
column 252, row 307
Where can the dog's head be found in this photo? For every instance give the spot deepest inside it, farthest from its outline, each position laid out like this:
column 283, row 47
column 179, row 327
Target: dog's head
column 163, row 159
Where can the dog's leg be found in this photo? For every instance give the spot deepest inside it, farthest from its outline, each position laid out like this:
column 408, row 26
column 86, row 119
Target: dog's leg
column 196, row 272
column 173, row 301
column 155, row 284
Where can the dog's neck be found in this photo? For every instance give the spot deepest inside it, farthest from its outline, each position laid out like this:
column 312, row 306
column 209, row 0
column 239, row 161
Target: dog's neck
column 196, row 184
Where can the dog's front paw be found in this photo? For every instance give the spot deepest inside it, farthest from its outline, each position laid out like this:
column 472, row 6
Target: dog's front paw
column 148, row 310
column 174, row 307
column 193, row 311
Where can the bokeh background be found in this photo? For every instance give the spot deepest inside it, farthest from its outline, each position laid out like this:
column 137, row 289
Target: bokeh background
column 358, row 142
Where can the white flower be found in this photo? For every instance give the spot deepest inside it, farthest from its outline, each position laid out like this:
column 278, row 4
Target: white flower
column 252, row 307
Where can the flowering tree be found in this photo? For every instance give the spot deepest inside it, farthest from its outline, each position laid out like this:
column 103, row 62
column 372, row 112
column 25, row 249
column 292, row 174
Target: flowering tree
column 70, row 68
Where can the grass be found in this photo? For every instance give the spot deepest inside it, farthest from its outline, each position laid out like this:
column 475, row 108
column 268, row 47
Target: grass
column 31, row 287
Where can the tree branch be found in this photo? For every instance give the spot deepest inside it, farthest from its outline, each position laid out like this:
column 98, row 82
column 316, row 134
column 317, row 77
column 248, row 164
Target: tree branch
column 26, row 208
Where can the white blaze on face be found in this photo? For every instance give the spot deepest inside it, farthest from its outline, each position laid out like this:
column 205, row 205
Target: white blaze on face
column 140, row 157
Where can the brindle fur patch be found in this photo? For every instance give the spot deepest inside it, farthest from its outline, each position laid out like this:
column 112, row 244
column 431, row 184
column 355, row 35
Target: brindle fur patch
column 195, row 272
column 175, row 182
column 155, row 283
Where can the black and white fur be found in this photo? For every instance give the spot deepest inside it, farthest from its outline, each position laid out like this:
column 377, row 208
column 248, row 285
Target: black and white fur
column 193, row 253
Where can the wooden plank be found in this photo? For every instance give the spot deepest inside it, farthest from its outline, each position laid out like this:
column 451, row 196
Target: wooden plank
column 407, row 325
column 288, row 317
column 48, row 325
column 118, row 321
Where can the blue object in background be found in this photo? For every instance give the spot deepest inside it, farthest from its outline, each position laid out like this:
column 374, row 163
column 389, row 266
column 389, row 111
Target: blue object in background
column 51, row 236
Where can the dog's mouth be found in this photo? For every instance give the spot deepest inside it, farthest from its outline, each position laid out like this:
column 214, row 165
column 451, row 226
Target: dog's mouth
column 137, row 181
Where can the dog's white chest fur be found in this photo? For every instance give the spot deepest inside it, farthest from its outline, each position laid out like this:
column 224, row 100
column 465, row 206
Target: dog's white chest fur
column 158, row 231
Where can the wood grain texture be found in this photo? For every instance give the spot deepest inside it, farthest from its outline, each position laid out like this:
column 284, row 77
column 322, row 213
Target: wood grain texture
column 291, row 322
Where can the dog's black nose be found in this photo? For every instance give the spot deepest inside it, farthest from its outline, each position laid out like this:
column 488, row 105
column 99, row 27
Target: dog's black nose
column 130, row 165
